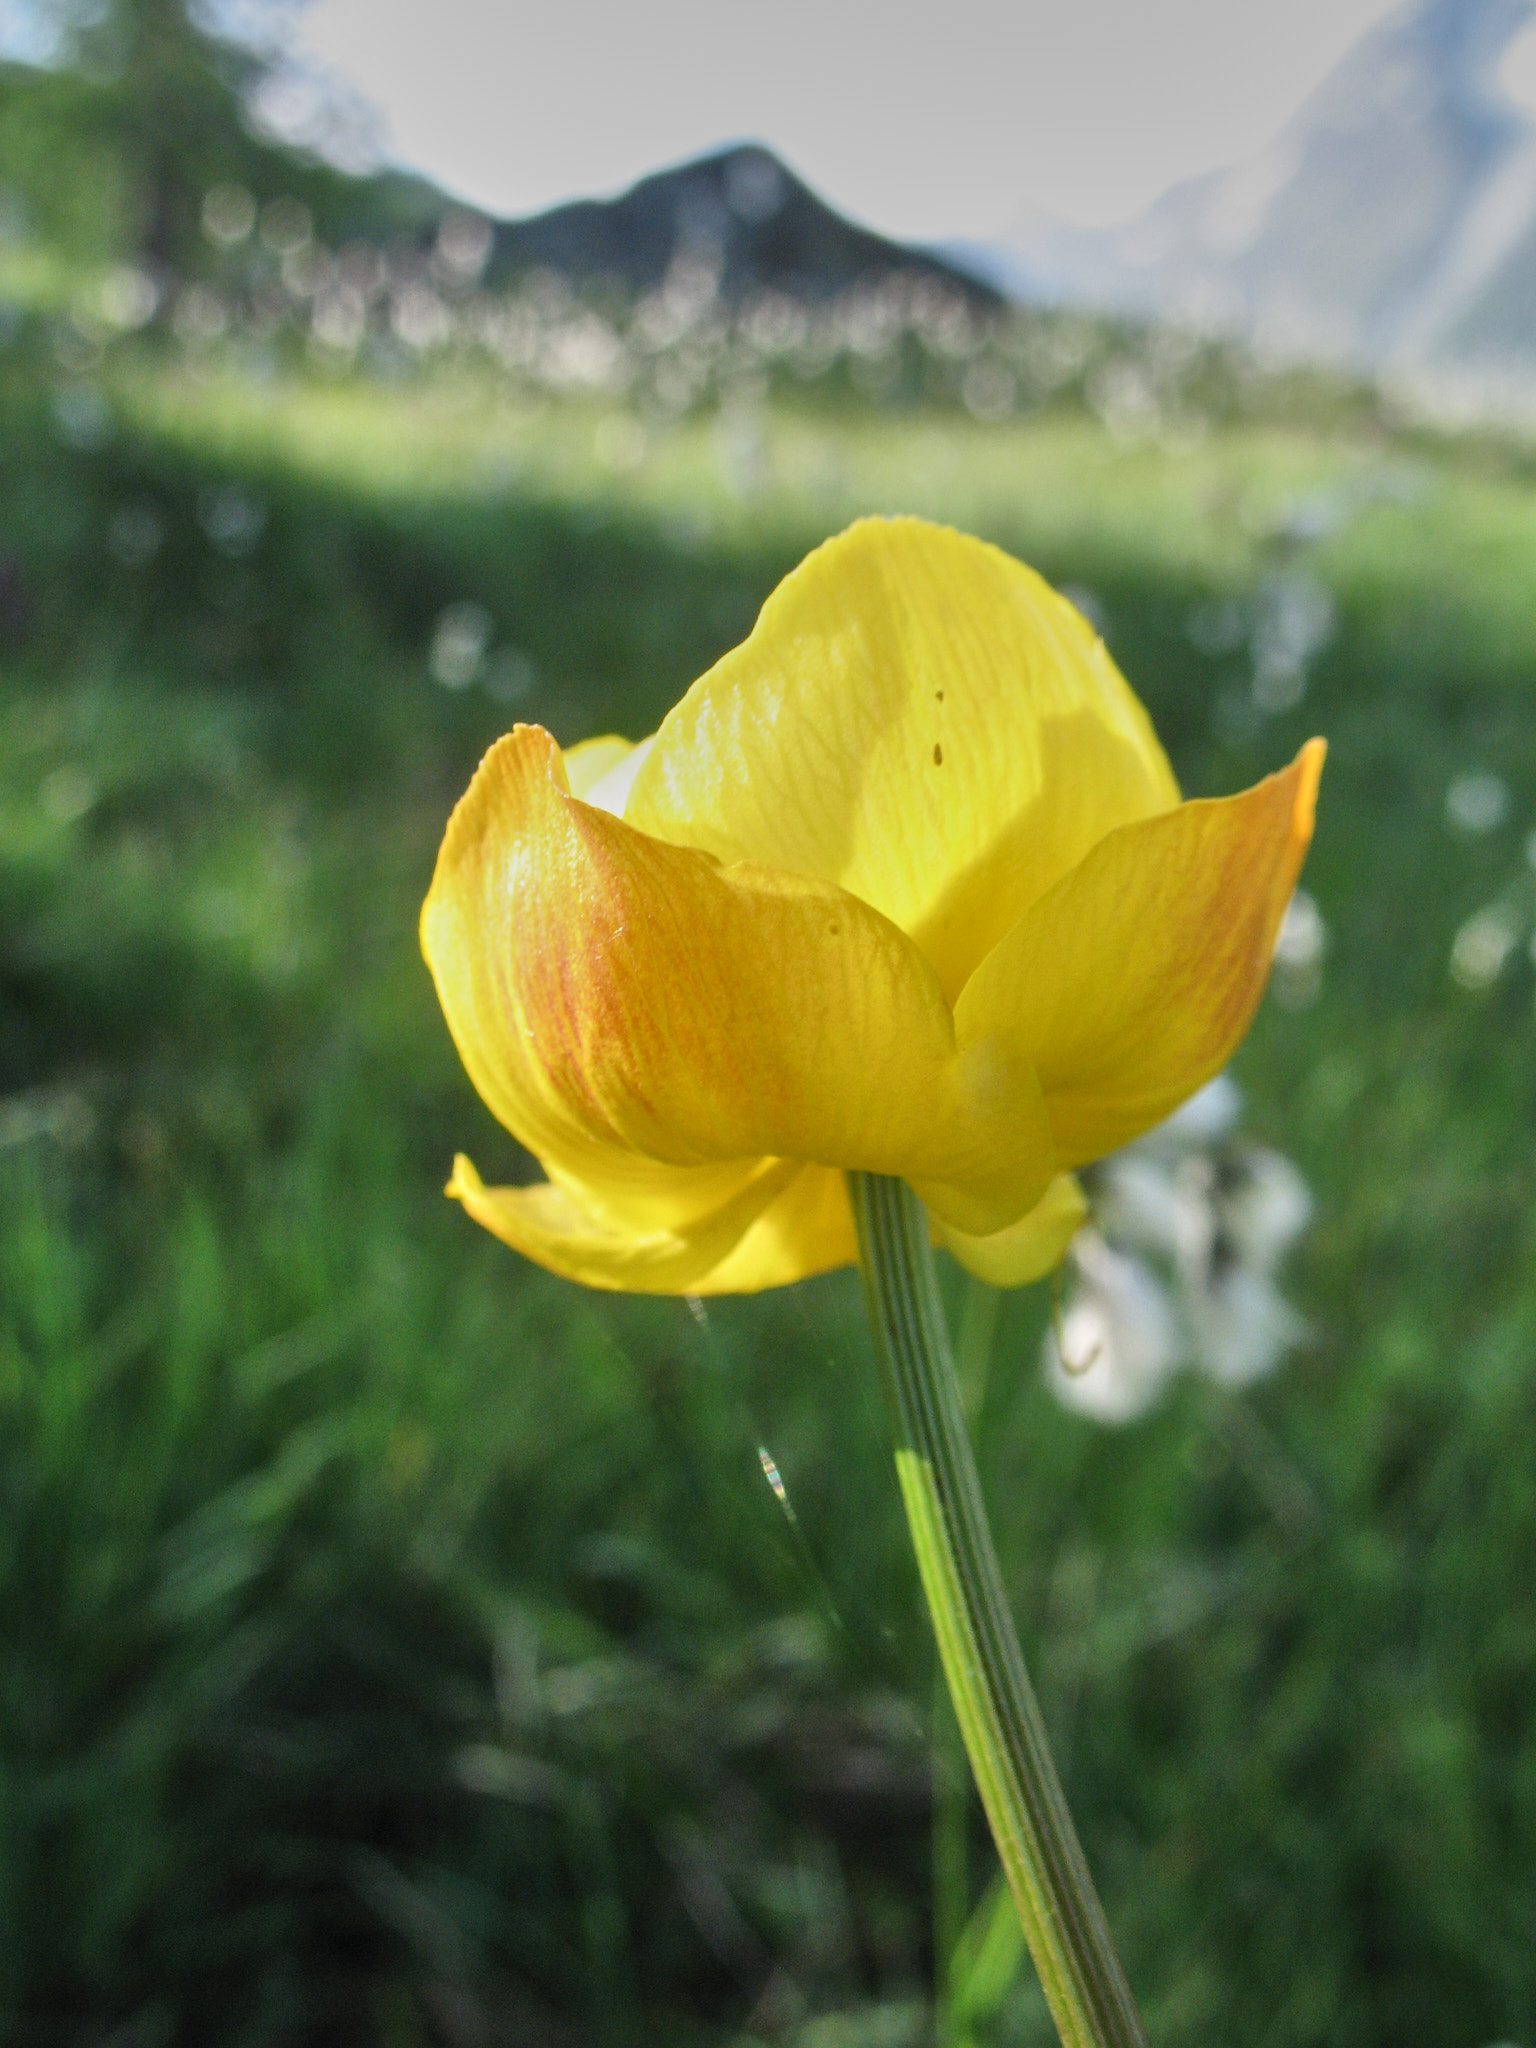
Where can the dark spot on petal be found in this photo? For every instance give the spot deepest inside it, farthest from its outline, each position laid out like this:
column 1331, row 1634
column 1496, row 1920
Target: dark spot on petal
column 938, row 755
column 940, row 695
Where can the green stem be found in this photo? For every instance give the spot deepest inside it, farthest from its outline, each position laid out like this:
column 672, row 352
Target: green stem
column 994, row 1703
column 951, row 1877
column 951, row 1777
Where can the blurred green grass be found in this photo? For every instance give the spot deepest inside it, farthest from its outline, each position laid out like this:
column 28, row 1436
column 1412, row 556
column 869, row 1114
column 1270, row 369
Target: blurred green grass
column 401, row 1646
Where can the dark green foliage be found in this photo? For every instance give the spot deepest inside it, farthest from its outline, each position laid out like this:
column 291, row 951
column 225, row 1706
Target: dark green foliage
column 402, row 1646
column 109, row 158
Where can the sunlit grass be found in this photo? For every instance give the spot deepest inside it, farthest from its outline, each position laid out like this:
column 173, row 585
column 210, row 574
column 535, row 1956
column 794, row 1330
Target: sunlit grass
column 1058, row 483
column 754, row 469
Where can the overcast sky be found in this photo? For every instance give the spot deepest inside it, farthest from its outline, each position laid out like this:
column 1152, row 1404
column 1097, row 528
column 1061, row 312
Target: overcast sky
column 926, row 121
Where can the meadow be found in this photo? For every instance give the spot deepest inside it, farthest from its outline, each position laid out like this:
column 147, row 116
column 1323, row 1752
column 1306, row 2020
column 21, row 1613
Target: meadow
column 402, row 1646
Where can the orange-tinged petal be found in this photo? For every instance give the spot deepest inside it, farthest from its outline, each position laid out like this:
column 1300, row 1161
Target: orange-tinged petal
column 622, row 1190
column 1130, row 984
column 551, row 1225
column 920, row 719
column 612, row 995
column 1028, row 1249
column 466, row 935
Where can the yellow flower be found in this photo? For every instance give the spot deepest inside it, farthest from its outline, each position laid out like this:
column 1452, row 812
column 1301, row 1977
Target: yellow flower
column 902, row 884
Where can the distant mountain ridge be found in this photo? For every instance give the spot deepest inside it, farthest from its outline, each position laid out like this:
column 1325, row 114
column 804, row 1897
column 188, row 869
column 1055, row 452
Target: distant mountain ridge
column 1391, row 224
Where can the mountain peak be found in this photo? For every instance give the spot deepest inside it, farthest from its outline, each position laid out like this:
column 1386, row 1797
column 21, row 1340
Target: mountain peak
column 739, row 212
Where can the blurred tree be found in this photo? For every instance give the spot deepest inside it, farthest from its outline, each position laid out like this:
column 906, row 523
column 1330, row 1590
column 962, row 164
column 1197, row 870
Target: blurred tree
column 108, row 151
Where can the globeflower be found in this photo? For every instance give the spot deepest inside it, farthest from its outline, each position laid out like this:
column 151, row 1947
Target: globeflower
column 902, row 886
column 896, row 922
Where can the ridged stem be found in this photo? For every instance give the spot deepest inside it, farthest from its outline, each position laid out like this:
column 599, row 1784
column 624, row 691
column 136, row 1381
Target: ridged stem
column 1037, row 1844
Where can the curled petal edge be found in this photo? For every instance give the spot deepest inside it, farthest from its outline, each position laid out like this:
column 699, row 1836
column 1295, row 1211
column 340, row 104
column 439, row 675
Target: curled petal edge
column 1132, row 981
column 1026, row 1250
column 789, row 1223
column 550, row 1225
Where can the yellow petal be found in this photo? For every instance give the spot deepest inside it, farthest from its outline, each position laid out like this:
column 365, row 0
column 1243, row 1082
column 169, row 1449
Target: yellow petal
column 920, row 719
column 589, row 761
column 611, row 995
column 1028, row 1249
column 807, row 1229
column 635, row 1194
column 610, row 790
column 552, row 1226
column 1129, row 985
